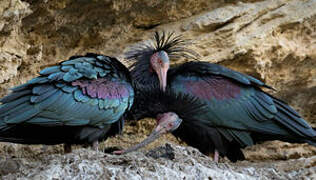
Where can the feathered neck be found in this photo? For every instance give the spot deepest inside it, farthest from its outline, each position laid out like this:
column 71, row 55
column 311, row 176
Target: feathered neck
column 142, row 72
column 156, row 101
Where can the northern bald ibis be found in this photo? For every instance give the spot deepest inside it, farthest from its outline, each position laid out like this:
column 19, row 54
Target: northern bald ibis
column 236, row 112
column 79, row 101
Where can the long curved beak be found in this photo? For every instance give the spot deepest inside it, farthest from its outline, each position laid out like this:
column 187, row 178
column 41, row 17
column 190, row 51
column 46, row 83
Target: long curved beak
column 158, row 131
column 153, row 136
column 162, row 75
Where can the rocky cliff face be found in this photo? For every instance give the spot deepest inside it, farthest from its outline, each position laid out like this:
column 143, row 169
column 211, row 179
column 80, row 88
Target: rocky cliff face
column 273, row 40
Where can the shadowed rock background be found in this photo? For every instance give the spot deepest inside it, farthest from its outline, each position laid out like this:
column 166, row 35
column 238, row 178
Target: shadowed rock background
column 273, row 40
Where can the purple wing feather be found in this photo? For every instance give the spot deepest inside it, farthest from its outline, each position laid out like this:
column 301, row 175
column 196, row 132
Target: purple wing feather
column 211, row 87
column 103, row 88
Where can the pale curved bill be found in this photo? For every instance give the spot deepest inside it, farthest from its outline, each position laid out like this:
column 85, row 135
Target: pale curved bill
column 154, row 135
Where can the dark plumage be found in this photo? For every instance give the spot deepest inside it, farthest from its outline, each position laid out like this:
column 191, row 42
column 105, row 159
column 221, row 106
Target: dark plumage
column 236, row 113
column 79, row 101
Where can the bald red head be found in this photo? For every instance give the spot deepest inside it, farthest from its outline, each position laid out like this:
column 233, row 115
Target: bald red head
column 160, row 63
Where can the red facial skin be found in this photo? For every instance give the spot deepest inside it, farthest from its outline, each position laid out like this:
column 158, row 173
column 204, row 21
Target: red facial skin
column 159, row 62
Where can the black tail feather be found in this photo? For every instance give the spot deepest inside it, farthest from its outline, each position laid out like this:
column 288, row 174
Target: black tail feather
column 299, row 130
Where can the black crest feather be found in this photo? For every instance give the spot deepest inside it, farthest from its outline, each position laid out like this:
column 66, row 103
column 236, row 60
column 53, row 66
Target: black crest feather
column 174, row 45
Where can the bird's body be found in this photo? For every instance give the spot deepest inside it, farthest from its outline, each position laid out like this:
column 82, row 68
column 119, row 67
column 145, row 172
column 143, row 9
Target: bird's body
column 239, row 113
column 235, row 113
column 80, row 101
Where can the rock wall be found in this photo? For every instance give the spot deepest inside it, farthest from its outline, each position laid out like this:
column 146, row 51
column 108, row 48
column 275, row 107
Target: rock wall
column 12, row 47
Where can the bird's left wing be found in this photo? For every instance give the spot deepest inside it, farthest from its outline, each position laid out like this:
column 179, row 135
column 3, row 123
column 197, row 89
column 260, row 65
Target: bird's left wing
column 205, row 68
column 83, row 90
column 236, row 106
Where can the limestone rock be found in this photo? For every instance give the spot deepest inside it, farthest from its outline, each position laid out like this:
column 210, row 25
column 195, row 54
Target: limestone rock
column 188, row 163
column 11, row 46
